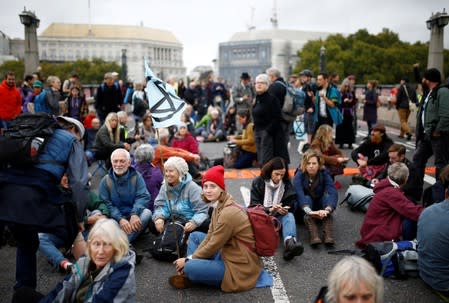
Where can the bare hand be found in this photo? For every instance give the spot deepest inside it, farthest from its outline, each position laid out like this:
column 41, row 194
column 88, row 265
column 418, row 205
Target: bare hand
column 125, row 226
column 126, row 146
column 179, row 264
column 94, row 218
column 362, row 163
column 190, row 226
column 135, row 222
column 159, row 223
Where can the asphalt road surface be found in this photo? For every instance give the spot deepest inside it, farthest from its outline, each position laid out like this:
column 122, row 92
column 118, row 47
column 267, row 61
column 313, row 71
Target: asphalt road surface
column 298, row 280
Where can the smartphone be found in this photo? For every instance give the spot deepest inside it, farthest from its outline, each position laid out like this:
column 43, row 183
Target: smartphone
column 286, row 207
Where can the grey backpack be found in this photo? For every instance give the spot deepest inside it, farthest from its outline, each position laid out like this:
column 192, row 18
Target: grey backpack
column 358, row 197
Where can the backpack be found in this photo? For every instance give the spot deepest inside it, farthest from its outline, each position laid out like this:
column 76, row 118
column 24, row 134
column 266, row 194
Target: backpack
column 293, row 102
column 265, row 228
column 40, row 102
column 358, row 197
column 26, row 139
column 397, row 260
column 164, row 246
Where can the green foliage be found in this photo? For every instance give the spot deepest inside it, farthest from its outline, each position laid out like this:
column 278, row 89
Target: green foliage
column 90, row 72
column 382, row 57
column 18, row 67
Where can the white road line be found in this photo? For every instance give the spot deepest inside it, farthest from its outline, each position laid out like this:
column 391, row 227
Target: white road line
column 277, row 290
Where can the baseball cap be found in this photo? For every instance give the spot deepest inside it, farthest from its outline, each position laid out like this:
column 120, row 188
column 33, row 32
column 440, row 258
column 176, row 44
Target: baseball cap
column 73, row 121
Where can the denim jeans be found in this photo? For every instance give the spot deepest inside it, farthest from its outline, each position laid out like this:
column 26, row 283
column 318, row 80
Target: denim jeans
column 288, row 225
column 145, row 218
column 49, row 245
column 205, row 271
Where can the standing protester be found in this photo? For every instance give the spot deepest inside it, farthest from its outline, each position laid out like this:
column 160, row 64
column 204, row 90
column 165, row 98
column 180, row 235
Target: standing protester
column 328, row 102
column 244, row 95
column 10, row 99
column 109, row 97
column 345, row 131
column 371, row 104
column 309, row 103
column 37, row 198
column 406, row 95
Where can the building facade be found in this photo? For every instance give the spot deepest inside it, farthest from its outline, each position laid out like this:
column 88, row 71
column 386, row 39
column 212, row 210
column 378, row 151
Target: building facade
column 256, row 50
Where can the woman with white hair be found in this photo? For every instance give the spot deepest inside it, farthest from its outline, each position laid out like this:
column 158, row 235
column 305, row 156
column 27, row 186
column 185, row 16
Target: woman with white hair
column 105, row 274
column 180, row 198
column 353, row 279
column 267, row 124
column 151, row 174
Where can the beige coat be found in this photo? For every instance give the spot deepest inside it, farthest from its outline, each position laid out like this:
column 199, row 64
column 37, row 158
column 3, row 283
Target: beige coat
column 230, row 227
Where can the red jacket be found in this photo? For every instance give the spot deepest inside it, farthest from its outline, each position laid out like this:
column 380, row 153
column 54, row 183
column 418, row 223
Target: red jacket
column 10, row 102
column 383, row 220
column 187, row 143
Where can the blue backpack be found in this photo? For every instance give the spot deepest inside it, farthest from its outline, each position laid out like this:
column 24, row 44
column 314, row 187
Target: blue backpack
column 293, row 102
column 40, row 102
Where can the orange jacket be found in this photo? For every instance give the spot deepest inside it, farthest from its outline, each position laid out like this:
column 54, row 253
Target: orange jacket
column 165, row 152
column 10, row 102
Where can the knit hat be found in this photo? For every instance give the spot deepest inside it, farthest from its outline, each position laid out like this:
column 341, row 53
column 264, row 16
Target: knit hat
column 182, row 124
column 179, row 164
column 433, row 75
column 38, row 83
column 215, row 174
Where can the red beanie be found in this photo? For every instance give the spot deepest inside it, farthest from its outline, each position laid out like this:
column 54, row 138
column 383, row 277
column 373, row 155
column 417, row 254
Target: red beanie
column 215, row 174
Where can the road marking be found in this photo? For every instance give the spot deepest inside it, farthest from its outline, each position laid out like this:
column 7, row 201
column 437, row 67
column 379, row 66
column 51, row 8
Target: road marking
column 277, row 290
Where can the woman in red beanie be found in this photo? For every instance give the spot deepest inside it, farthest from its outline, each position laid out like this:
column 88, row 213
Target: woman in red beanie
column 221, row 258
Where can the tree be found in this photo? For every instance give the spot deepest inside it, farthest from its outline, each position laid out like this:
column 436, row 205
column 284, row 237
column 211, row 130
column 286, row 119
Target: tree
column 18, row 67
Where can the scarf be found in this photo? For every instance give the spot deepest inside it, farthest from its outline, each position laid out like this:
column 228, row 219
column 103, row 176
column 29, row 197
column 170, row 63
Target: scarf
column 273, row 193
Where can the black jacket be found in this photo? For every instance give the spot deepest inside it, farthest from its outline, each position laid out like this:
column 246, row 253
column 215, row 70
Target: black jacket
column 258, row 194
column 377, row 153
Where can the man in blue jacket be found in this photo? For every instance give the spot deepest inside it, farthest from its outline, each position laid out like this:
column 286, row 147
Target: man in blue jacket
column 124, row 191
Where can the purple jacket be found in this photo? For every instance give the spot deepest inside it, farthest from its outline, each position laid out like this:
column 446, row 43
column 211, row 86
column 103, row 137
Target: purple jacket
column 152, row 176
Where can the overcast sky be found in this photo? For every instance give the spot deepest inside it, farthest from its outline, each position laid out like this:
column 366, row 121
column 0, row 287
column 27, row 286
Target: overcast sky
column 201, row 24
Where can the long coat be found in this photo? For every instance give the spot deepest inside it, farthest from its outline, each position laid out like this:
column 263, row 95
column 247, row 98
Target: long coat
column 229, row 233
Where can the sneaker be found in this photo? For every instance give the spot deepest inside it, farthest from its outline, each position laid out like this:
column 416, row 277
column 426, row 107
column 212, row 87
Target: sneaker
column 292, row 249
column 409, row 137
column 179, row 282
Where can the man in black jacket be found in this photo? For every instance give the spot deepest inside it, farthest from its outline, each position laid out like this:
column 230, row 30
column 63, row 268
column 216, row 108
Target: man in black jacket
column 109, row 97
column 406, row 94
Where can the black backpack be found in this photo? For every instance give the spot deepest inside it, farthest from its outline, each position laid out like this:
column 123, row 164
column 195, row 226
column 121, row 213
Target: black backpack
column 164, row 246
column 23, row 142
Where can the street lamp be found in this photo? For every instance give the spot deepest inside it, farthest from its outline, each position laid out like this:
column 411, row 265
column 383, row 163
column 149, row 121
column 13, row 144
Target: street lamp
column 31, row 23
column 124, row 65
column 322, row 59
column 436, row 24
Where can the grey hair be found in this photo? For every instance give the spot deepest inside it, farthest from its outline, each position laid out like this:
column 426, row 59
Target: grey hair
column 263, row 78
column 108, row 76
column 398, row 172
column 52, row 79
column 162, row 133
column 121, row 114
column 109, row 231
column 144, row 153
column 273, row 71
column 351, row 272
column 121, row 150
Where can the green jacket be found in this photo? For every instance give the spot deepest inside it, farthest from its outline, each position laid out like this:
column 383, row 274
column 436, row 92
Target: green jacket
column 437, row 112
column 95, row 203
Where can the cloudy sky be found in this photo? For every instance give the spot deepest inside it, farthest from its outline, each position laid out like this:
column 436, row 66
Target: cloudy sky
column 201, row 24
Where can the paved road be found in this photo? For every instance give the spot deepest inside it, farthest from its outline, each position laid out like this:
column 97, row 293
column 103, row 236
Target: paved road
column 296, row 281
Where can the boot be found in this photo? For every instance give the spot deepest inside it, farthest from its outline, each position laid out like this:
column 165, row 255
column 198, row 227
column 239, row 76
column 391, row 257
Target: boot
column 327, row 229
column 180, row 282
column 313, row 231
column 293, row 248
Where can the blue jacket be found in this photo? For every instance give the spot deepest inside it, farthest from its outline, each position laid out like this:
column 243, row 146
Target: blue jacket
column 185, row 202
column 125, row 197
column 333, row 94
column 115, row 283
column 325, row 193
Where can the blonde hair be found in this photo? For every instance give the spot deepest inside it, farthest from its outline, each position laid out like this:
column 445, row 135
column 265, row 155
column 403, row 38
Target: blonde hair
column 307, row 156
column 109, row 231
column 115, row 138
column 322, row 136
column 351, row 272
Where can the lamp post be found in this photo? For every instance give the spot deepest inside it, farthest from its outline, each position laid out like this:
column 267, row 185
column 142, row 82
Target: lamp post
column 322, row 59
column 436, row 24
column 124, row 65
column 31, row 23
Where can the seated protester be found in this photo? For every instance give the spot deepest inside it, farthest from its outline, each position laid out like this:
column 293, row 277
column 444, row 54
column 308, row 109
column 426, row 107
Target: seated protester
column 372, row 155
column 124, row 191
column 105, row 274
column 90, row 116
column 180, row 199
column 151, row 174
column 89, row 140
column 275, row 192
column 245, row 142
column 188, row 120
column 108, row 139
column 353, row 279
column 433, row 241
column 316, row 196
column 123, row 120
column 386, row 217
column 201, row 125
column 215, row 128
column 144, row 133
column 184, row 139
column 222, row 257
column 323, row 144
column 162, row 152
column 230, row 121
column 50, row 244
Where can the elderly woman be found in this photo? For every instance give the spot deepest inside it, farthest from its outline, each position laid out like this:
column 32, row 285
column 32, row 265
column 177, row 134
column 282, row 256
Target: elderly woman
column 108, row 138
column 222, row 257
column 180, row 198
column 390, row 216
column 316, row 196
column 184, row 139
column 267, row 124
column 275, row 192
column 323, row 144
column 151, row 174
column 105, row 274
column 353, row 279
